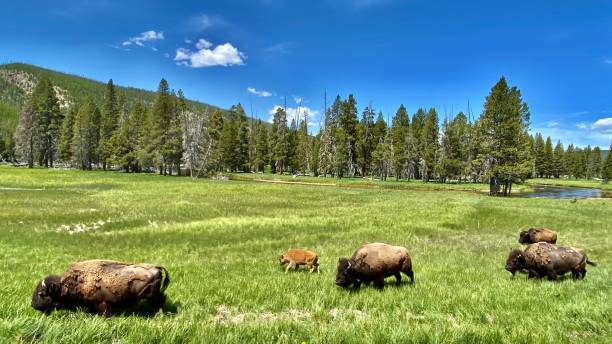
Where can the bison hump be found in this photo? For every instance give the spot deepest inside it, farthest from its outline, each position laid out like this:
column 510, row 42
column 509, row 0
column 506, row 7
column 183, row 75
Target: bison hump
column 88, row 277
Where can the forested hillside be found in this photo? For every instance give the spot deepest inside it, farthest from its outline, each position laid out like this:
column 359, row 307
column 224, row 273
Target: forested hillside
column 18, row 79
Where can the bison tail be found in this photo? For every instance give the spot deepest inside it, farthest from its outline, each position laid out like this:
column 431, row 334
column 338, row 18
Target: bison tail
column 591, row 263
column 166, row 280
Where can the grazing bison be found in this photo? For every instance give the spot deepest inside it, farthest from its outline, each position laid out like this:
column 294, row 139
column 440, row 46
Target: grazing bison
column 535, row 234
column 102, row 286
column 544, row 259
column 373, row 263
column 295, row 257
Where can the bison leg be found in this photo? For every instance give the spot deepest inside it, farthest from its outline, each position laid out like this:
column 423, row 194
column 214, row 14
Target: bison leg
column 157, row 301
column 379, row 282
column 289, row 266
column 102, row 308
column 398, row 278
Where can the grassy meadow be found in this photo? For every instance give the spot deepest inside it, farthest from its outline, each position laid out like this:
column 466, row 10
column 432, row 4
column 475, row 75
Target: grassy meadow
column 221, row 240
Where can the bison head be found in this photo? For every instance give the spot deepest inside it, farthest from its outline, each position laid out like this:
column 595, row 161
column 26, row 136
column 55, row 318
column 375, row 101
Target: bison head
column 515, row 261
column 46, row 295
column 344, row 277
column 524, row 237
column 283, row 260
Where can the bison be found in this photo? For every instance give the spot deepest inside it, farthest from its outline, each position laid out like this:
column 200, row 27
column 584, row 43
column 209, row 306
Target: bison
column 535, row 234
column 373, row 263
column 102, row 286
column 295, row 257
column 544, row 259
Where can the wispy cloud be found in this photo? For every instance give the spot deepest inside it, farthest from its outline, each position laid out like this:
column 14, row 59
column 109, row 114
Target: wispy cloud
column 142, row 39
column 608, row 61
column 204, row 22
column 261, row 93
column 553, row 124
column 279, row 48
column 207, row 56
column 581, row 125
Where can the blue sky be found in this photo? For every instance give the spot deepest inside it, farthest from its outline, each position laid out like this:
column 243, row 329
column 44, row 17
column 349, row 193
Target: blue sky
column 421, row 53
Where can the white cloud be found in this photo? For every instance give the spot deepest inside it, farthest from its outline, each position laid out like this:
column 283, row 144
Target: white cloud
column 187, row 41
column 294, row 113
column 603, row 125
column 144, row 37
column 297, row 99
column 553, row 124
column 261, row 93
column 203, row 44
column 581, row 126
column 221, row 55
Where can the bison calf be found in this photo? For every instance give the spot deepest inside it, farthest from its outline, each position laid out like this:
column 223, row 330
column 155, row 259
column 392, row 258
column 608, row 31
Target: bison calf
column 102, row 286
column 535, row 234
column 295, row 257
column 373, row 263
column 544, row 259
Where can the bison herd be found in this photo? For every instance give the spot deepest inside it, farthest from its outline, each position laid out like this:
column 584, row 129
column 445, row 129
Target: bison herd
column 104, row 286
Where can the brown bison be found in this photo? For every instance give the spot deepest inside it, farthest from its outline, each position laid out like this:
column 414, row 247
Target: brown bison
column 102, row 286
column 295, row 257
column 373, row 263
column 544, row 259
column 535, row 234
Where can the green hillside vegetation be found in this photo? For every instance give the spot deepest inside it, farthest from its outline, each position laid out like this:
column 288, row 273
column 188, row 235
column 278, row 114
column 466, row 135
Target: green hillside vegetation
column 80, row 88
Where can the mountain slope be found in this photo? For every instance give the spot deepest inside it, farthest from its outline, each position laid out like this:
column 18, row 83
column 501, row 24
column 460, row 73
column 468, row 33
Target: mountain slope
column 17, row 80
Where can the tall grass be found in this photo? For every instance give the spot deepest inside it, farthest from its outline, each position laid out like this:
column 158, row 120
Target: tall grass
column 220, row 241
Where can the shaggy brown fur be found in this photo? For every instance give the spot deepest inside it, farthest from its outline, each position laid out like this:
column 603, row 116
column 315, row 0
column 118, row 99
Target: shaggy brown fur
column 295, row 257
column 536, row 234
column 373, row 263
column 103, row 285
column 544, row 259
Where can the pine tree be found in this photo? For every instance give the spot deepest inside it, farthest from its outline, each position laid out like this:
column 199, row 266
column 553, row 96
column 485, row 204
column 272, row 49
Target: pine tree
column 65, row 144
column 26, row 134
column 346, row 135
column 126, row 140
column 399, row 132
column 365, row 141
column 328, row 143
column 279, row 141
column 242, row 152
column 505, row 121
column 606, row 169
column 215, row 131
column 548, row 158
column 108, row 123
column 558, row 165
column 86, row 135
column 261, row 152
column 596, row 162
column 304, row 145
column 539, row 153
column 418, row 121
column 429, row 144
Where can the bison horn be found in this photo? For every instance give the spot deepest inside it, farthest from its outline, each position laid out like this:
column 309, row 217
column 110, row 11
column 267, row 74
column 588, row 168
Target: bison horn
column 349, row 265
column 43, row 284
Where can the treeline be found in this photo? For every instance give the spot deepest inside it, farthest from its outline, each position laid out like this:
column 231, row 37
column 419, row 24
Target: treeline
column 169, row 137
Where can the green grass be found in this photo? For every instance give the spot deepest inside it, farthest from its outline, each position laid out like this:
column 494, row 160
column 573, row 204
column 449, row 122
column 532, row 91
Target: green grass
column 571, row 182
column 220, row 240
